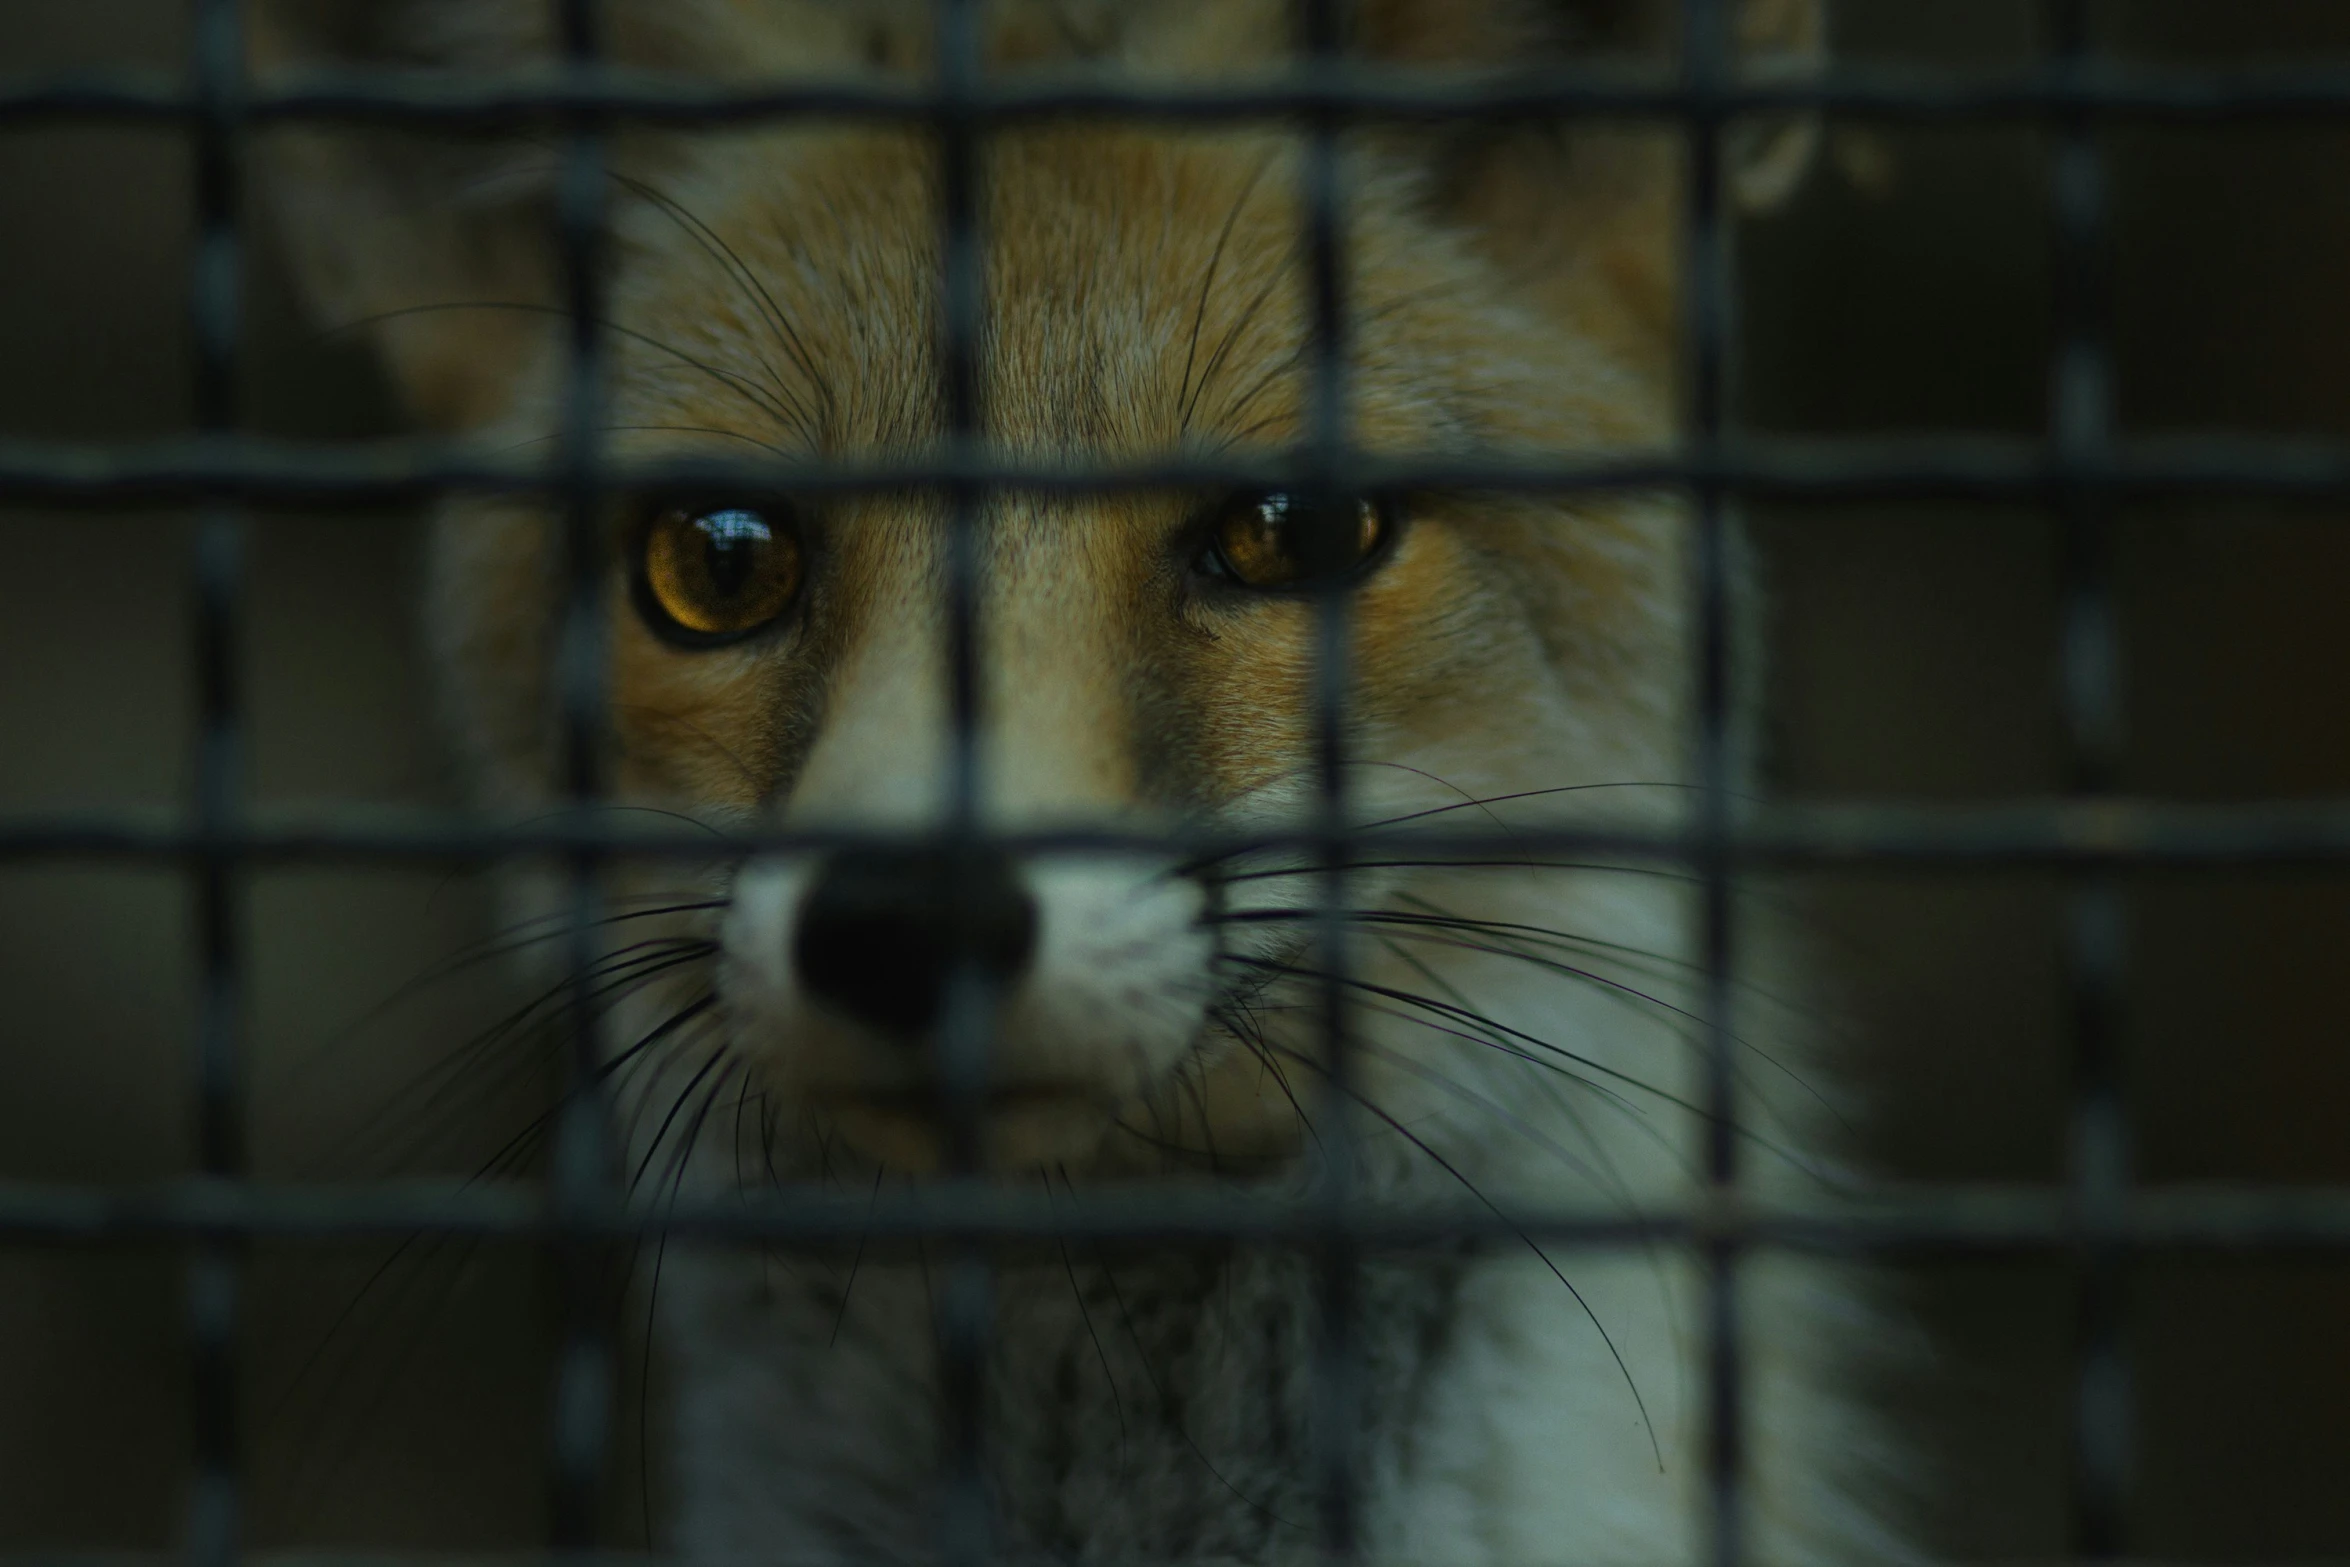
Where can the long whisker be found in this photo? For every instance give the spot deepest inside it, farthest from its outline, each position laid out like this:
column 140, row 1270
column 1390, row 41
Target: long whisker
column 612, row 1072
column 1449, row 1168
column 1439, row 930
column 1291, row 872
column 1077, row 1294
column 750, row 391
column 431, row 1090
column 474, row 955
column 1565, row 1104
column 1468, row 1017
column 1662, row 965
column 858, row 1260
column 644, row 1402
column 422, row 1251
column 1199, row 312
column 1696, row 1037
column 1409, row 999
column 1274, row 277
column 677, row 1106
column 745, row 277
column 652, row 429
column 1166, row 1404
column 1242, row 1025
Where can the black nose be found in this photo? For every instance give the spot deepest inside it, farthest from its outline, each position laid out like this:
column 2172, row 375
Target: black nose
column 882, row 930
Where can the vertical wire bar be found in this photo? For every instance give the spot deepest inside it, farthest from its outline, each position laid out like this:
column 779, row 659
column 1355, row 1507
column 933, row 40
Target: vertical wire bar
column 1338, row 1369
column 582, row 1181
column 966, row 1290
column 215, row 1523
column 2081, row 412
column 1706, row 311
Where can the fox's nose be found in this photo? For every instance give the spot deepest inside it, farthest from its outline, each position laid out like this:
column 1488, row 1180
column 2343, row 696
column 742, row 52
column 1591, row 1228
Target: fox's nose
column 882, row 931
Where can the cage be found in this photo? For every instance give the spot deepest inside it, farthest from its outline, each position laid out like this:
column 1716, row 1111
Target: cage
column 2024, row 400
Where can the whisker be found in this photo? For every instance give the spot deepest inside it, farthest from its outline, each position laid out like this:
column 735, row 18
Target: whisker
column 1077, row 1294
column 1488, row 801
column 1199, row 312
column 1449, row 1168
column 500, row 944
column 427, row 1096
column 677, row 1107
column 1432, row 931
column 1407, row 998
column 857, row 1260
column 1233, row 334
column 1695, row 1038
column 1242, row 1024
column 745, row 277
column 644, row 1404
column 1659, row 965
column 1469, row 1017
column 1158, row 1389
column 747, row 390
column 1565, row 1105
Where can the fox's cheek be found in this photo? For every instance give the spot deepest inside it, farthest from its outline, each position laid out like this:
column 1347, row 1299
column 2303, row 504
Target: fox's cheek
column 1422, row 630
column 708, row 727
column 1425, row 630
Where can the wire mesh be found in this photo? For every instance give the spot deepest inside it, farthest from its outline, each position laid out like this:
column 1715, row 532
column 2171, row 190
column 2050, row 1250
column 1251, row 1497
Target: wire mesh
column 2081, row 424
column 2099, row 1221
column 214, row 1281
column 586, row 1372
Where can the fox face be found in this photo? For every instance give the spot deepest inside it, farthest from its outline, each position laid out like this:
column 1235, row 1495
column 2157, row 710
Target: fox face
column 1145, row 661
column 1141, row 666
column 1142, row 660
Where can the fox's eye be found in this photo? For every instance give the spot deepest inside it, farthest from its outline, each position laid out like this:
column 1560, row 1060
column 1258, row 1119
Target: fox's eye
column 710, row 575
column 1277, row 540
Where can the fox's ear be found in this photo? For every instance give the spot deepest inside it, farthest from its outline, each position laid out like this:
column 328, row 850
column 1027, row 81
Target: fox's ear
column 420, row 241
column 1777, row 39
column 432, row 239
column 1774, row 38
column 1583, row 210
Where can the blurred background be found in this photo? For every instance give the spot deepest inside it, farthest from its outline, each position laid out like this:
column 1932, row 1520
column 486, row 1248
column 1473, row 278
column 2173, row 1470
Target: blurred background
column 1912, row 656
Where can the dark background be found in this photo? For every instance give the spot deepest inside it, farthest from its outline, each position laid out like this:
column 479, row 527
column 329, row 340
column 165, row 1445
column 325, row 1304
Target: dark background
column 1907, row 289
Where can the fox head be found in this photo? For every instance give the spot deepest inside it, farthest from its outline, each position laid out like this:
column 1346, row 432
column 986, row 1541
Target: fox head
column 1144, row 660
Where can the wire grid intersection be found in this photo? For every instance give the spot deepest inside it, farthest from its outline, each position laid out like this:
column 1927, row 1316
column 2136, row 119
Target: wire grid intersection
column 2081, row 470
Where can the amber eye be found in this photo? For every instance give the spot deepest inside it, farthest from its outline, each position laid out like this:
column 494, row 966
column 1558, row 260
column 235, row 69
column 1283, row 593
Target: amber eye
column 707, row 575
column 1276, row 540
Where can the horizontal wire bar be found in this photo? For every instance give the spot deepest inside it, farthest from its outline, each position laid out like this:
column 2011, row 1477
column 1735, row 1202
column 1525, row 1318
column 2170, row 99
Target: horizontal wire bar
column 482, row 100
column 1942, row 1220
column 185, row 470
column 1830, row 835
column 364, row 1557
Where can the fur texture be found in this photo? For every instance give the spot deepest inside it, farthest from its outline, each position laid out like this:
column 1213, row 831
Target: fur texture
column 1519, row 1027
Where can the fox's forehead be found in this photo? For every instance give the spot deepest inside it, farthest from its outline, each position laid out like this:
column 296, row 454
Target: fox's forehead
column 1143, row 292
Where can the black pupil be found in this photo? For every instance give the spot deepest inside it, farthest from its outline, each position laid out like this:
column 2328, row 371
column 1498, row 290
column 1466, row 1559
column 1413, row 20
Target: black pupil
column 1319, row 539
column 731, row 544
column 1283, row 519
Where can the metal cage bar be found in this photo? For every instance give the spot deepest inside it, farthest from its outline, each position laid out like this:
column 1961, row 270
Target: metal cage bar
column 965, row 1034
column 1706, row 334
column 1955, row 1219
column 484, row 100
column 215, row 1514
column 582, row 1178
column 1327, row 490
column 387, row 473
column 2073, row 834
column 2081, row 418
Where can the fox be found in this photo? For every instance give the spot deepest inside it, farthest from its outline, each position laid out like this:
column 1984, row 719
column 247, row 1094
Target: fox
column 1518, row 1029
